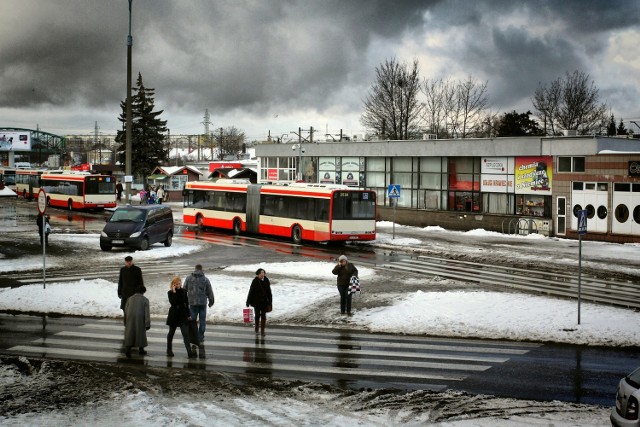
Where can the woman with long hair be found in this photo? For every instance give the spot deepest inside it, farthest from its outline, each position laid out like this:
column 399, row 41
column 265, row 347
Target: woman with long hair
column 179, row 316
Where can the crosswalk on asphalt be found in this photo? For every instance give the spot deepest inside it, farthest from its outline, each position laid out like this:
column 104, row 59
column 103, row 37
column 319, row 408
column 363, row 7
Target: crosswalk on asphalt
column 354, row 357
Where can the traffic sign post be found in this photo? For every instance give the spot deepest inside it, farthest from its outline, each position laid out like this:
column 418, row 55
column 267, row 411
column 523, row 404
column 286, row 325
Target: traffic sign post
column 393, row 192
column 582, row 229
column 42, row 209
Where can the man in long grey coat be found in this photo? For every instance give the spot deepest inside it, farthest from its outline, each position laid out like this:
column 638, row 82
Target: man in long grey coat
column 199, row 292
column 137, row 321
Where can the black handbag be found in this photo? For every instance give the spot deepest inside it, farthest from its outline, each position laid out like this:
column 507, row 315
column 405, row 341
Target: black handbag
column 193, row 332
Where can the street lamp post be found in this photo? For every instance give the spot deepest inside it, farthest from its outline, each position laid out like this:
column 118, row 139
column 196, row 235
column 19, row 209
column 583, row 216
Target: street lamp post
column 300, row 153
column 127, row 166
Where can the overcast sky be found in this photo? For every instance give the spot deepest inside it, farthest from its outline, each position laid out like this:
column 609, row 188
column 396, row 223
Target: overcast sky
column 276, row 65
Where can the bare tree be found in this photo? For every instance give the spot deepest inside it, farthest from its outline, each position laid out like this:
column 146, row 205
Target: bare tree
column 230, row 142
column 457, row 108
column 571, row 104
column 439, row 100
column 392, row 109
column 470, row 107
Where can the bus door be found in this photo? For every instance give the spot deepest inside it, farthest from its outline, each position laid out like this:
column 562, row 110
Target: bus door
column 253, row 208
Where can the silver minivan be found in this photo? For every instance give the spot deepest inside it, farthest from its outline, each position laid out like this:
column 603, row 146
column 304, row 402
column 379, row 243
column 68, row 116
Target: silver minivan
column 625, row 414
column 138, row 227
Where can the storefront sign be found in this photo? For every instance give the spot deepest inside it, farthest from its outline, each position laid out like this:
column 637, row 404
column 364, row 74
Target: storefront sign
column 498, row 165
column 533, row 175
column 492, row 183
column 327, row 177
column 272, row 174
column 350, row 164
column 634, row 168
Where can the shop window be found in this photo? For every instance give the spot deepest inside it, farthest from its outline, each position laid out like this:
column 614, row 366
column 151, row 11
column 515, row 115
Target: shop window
column 590, row 186
column 622, row 213
column 602, row 212
column 603, row 186
column 532, row 205
column 578, row 185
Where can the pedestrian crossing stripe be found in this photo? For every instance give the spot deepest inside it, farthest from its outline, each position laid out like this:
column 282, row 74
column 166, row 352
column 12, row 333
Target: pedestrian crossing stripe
column 427, row 362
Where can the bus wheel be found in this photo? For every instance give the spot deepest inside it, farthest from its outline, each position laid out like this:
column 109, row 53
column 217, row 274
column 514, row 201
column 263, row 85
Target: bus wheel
column 237, row 227
column 296, row 234
column 70, row 204
column 200, row 222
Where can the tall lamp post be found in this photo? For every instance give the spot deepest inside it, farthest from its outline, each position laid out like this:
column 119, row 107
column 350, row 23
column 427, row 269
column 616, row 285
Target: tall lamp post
column 127, row 166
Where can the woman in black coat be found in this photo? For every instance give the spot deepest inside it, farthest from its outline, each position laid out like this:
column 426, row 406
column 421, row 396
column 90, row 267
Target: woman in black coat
column 260, row 299
column 179, row 316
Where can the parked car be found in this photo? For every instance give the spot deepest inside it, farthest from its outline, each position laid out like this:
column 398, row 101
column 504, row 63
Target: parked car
column 625, row 414
column 138, row 227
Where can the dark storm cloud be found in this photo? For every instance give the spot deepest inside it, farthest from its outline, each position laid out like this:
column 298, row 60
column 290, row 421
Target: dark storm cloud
column 266, row 57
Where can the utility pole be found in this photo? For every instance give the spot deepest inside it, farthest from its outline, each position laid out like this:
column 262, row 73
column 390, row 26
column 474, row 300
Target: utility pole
column 207, row 134
column 220, row 145
column 128, row 148
column 169, row 144
column 97, row 142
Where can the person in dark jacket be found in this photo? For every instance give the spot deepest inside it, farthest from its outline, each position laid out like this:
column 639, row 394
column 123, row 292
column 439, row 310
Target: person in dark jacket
column 199, row 292
column 260, row 299
column 44, row 228
column 129, row 281
column 137, row 321
column 179, row 316
column 344, row 270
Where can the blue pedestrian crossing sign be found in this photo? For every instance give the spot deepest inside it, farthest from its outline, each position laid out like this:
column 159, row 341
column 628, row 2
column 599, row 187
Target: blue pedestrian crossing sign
column 394, row 191
column 582, row 221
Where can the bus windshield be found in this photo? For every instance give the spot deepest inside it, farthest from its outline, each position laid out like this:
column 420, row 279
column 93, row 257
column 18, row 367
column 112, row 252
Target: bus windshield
column 100, row 185
column 354, row 205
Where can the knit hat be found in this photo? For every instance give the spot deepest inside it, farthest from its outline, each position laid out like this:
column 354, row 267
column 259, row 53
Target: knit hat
column 342, row 258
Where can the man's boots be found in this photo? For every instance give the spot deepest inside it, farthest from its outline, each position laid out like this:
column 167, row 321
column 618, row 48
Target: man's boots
column 191, row 352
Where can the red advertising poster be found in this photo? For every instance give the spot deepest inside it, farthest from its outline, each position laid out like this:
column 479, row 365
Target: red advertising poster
column 272, row 174
column 533, row 175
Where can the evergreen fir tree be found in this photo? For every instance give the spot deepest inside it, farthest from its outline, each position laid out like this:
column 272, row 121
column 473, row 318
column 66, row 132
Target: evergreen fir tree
column 148, row 148
column 611, row 127
column 621, row 130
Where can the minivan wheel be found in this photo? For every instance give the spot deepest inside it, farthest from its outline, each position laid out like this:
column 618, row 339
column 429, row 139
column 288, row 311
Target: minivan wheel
column 144, row 245
column 105, row 247
column 167, row 242
column 237, row 227
column 296, row 234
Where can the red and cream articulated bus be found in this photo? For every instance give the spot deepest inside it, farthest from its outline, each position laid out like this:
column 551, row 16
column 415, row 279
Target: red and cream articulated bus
column 77, row 190
column 312, row 212
column 8, row 177
column 28, row 182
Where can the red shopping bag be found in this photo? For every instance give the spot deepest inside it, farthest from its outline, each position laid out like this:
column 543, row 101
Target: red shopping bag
column 247, row 315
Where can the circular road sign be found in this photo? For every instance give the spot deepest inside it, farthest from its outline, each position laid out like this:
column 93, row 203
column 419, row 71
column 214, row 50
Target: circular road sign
column 42, row 202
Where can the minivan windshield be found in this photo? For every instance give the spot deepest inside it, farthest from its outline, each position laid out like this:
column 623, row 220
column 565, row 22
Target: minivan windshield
column 127, row 215
column 634, row 378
